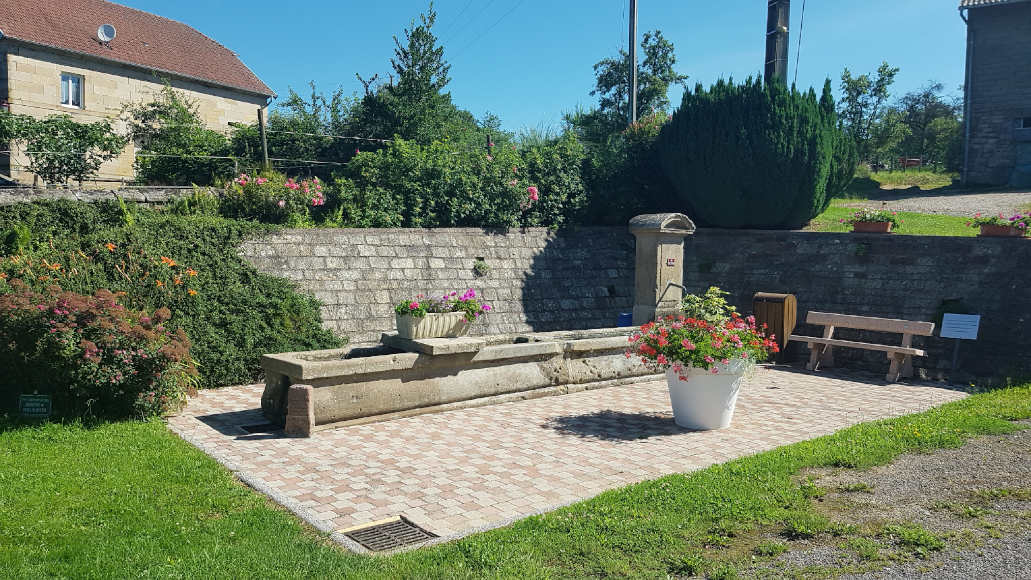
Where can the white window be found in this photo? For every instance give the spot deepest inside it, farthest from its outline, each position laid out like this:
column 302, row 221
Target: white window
column 71, row 90
column 1024, row 123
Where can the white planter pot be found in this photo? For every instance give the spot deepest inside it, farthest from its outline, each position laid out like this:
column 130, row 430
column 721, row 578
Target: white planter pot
column 439, row 325
column 705, row 401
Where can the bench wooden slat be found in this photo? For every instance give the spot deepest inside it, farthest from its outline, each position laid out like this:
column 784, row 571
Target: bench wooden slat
column 870, row 323
column 853, row 344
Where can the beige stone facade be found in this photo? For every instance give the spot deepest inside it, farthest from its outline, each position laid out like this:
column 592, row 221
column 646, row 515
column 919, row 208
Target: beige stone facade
column 32, row 78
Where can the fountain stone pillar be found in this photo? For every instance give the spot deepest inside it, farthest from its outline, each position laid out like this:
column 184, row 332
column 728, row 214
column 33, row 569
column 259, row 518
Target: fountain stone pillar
column 659, row 265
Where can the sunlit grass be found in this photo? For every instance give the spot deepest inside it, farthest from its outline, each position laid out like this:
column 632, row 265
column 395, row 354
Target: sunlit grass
column 912, row 223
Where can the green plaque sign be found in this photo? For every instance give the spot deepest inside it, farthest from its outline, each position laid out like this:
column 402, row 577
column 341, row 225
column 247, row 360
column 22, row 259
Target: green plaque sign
column 35, row 406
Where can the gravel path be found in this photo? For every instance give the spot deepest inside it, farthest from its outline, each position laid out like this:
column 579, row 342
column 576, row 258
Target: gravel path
column 948, row 202
column 977, row 498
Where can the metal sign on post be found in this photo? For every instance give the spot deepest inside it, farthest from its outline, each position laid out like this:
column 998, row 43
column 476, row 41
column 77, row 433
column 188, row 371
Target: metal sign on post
column 35, row 406
column 959, row 327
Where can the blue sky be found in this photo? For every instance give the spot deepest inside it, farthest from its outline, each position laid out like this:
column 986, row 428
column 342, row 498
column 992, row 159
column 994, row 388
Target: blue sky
column 528, row 61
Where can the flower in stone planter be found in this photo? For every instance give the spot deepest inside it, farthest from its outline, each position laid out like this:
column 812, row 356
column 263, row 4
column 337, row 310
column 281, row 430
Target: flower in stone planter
column 468, row 303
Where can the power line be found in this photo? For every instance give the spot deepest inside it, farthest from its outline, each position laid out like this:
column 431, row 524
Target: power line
column 491, row 27
column 798, row 51
column 466, row 26
column 461, row 13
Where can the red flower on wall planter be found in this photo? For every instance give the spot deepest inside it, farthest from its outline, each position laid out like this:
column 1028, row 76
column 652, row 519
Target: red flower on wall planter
column 870, row 221
column 999, row 226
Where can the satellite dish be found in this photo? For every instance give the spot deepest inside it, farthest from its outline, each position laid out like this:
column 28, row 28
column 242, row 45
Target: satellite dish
column 106, row 33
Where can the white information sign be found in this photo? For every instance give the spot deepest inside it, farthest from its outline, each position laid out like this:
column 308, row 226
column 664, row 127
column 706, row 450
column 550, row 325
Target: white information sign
column 962, row 326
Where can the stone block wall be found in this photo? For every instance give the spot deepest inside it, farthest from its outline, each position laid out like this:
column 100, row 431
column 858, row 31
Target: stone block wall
column 909, row 277
column 538, row 280
column 543, row 280
column 999, row 45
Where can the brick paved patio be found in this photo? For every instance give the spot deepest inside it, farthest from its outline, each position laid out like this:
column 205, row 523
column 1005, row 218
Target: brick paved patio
column 456, row 472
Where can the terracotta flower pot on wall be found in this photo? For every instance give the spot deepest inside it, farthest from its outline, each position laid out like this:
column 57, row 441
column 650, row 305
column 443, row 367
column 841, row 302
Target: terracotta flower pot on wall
column 997, row 231
column 872, row 227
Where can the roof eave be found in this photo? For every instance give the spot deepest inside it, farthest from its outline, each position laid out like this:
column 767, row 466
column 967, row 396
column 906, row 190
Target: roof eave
column 139, row 66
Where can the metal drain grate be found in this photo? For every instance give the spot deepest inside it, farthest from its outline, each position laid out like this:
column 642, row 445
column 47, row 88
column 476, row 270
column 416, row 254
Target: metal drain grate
column 262, row 428
column 389, row 535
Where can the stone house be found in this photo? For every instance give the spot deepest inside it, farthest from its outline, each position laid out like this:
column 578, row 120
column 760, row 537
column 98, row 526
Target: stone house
column 58, row 57
column 997, row 99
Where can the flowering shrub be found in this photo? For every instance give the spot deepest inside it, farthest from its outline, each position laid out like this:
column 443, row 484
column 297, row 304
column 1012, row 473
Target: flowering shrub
column 420, row 306
column 91, row 354
column 874, row 215
column 1019, row 221
column 231, row 312
column 441, row 184
column 272, row 198
column 679, row 342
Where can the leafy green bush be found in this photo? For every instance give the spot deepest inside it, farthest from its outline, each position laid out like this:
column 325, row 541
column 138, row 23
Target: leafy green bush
column 410, row 185
column 92, row 355
column 176, row 147
column 59, row 147
column 554, row 166
column 272, row 198
column 624, row 175
column 752, row 155
column 232, row 313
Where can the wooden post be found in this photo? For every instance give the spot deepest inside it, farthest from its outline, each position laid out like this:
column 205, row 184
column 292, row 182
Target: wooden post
column 264, row 143
column 633, row 62
column 778, row 19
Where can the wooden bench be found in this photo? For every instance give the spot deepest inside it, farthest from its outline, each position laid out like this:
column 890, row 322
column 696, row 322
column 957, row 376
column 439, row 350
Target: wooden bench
column 901, row 357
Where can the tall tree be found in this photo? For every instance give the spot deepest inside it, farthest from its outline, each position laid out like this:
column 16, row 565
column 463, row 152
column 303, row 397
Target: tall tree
column 919, row 110
column 412, row 105
column 863, row 104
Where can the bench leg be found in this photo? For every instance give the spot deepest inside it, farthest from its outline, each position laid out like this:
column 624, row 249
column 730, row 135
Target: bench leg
column 907, row 366
column 814, row 356
column 827, row 357
column 895, row 369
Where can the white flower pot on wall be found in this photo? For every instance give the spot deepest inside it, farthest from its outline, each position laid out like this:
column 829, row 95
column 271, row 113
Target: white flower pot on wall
column 706, row 401
column 439, row 325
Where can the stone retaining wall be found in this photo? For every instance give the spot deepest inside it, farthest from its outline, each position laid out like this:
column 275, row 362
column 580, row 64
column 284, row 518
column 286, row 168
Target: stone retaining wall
column 539, row 280
column 542, row 280
column 142, row 195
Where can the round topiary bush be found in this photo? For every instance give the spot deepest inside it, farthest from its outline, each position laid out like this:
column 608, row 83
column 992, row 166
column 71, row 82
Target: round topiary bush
column 754, row 155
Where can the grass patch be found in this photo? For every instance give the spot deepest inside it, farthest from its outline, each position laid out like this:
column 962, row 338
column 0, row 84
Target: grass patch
column 920, row 178
column 915, row 537
column 914, row 224
column 864, row 548
column 770, row 549
column 133, row 499
column 859, row 487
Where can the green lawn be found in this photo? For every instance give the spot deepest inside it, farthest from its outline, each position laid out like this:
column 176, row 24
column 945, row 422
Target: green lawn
column 131, row 499
column 913, row 223
column 869, row 183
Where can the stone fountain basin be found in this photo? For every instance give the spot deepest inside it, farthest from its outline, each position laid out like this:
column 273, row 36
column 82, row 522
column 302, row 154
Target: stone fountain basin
column 400, row 377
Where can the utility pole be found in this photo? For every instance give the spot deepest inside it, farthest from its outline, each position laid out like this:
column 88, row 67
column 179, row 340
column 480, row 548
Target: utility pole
column 633, row 62
column 778, row 18
column 264, row 142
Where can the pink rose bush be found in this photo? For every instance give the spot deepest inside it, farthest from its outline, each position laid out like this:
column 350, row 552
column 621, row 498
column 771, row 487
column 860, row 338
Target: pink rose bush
column 273, row 198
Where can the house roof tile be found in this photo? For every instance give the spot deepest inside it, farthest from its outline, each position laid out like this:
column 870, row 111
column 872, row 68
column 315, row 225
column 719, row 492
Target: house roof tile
column 144, row 39
column 980, row 3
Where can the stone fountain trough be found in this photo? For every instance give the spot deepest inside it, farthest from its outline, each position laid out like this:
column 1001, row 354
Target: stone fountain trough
column 401, row 378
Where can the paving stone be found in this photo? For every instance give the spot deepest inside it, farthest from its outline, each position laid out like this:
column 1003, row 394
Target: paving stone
column 456, row 471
